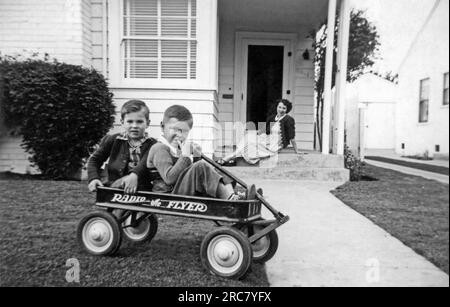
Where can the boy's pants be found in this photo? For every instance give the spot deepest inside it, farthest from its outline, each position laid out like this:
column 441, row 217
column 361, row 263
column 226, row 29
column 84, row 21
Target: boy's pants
column 200, row 179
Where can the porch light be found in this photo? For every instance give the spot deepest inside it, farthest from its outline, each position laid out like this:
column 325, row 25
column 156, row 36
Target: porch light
column 306, row 55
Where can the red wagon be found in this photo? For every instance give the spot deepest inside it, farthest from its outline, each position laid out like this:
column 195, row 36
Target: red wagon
column 243, row 235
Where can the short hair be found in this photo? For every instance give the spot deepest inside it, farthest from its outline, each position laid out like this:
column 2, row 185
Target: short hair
column 287, row 103
column 179, row 112
column 135, row 105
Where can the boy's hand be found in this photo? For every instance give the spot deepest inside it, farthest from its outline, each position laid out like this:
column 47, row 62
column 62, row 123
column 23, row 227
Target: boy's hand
column 130, row 183
column 185, row 149
column 94, row 184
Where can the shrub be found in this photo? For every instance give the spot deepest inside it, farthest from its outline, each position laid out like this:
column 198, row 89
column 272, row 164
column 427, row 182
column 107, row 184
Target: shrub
column 61, row 110
column 354, row 164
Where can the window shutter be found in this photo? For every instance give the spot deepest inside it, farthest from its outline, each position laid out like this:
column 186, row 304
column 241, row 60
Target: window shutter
column 160, row 39
column 193, row 63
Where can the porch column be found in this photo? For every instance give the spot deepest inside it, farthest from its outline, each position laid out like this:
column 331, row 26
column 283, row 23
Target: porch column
column 328, row 77
column 341, row 76
column 214, row 61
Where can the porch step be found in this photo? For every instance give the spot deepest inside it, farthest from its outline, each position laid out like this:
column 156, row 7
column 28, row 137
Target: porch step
column 287, row 164
column 287, row 158
column 319, row 174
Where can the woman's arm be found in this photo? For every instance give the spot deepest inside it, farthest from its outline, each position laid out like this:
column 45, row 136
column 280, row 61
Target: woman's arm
column 290, row 132
column 294, row 144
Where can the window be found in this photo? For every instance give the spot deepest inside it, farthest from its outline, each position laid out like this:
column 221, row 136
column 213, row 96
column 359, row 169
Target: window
column 159, row 39
column 445, row 100
column 424, row 99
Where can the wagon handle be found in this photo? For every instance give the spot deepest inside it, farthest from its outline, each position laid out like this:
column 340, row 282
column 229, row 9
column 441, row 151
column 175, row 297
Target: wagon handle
column 275, row 212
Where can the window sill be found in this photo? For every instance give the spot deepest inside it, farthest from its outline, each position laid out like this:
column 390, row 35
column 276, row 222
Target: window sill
column 173, row 84
column 423, row 124
column 444, row 106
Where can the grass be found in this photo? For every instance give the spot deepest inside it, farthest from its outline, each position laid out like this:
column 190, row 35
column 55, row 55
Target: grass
column 413, row 209
column 38, row 234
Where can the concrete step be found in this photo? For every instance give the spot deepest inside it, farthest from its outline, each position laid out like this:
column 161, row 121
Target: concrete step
column 302, row 173
column 287, row 159
column 309, row 165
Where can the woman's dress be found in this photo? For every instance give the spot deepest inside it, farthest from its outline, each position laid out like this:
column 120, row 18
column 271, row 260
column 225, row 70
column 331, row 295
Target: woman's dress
column 253, row 147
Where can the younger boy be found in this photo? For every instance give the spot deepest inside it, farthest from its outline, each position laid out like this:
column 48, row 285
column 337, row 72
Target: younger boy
column 127, row 152
column 177, row 174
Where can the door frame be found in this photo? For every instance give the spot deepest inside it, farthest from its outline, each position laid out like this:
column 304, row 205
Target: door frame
column 243, row 40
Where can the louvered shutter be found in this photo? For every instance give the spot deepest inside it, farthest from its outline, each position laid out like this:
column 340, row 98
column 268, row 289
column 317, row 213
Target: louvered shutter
column 160, row 39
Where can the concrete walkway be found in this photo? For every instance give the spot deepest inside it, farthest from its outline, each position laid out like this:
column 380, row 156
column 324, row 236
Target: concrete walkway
column 410, row 171
column 328, row 244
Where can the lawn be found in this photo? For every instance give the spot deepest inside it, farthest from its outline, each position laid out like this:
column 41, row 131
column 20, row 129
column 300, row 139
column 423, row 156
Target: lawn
column 413, row 209
column 38, row 234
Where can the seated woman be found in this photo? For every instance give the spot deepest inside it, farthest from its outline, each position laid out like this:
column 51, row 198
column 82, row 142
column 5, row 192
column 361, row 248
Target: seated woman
column 280, row 132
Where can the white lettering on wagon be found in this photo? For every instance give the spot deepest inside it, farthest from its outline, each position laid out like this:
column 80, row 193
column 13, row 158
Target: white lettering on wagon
column 187, row 206
column 128, row 199
column 176, row 205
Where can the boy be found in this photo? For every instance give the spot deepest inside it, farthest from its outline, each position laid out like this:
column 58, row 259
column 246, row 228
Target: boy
column 127, row 152
column 177, row 174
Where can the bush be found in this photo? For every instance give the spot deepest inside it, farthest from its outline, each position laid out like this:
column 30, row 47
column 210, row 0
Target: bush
column 354, row 164
column 61, row 110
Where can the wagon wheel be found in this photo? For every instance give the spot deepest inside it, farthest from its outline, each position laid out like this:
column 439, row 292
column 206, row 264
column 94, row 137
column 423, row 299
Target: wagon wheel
column 99, row 233
column 266, row 247
column 226, row 252
column 144, row 231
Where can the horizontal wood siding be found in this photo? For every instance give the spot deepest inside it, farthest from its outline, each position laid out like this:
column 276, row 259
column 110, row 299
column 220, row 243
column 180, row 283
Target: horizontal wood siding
column 200, row 103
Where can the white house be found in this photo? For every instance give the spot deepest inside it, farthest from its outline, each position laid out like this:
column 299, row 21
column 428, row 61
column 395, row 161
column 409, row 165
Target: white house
column 226, row 60
column 422, row 116
column 370, row 114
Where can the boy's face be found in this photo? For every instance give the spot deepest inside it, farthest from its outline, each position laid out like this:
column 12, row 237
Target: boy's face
column 175, row 131
column 135, row 124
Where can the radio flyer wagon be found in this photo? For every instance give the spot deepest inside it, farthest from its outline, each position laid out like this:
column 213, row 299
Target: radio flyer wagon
column 243, row 235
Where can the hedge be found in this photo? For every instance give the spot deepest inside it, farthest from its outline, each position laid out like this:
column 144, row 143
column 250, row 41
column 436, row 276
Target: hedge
column 61, row 110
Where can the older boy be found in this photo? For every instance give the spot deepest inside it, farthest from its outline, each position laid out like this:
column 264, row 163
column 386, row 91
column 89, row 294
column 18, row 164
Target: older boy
column 127, row 152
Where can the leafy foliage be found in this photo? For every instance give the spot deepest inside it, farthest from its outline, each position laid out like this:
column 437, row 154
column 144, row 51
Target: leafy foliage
column 389, row 76
column 353, row 164
column 363, row 47
column 61, row 111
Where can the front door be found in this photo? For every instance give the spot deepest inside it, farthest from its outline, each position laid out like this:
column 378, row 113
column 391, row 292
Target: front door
column 263, row 74
column 264, row 81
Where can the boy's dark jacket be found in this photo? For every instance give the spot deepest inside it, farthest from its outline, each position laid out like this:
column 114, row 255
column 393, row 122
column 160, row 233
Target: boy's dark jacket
column 287, row 125
column 118, row 152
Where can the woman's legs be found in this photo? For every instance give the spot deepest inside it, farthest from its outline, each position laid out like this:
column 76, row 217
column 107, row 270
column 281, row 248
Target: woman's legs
column 238, row 152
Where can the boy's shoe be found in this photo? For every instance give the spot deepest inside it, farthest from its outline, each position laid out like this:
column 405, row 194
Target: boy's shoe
column 251, row 192
column 237, row 196
column 260, row 191
column 222, row 162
